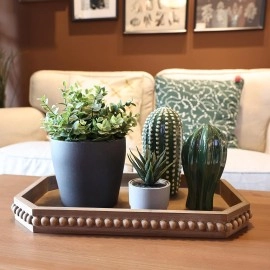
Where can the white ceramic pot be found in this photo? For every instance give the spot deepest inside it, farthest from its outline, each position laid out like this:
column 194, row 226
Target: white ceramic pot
column 149, row 197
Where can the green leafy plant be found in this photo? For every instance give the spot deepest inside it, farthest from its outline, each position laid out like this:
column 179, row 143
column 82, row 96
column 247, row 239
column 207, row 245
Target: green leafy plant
column 150, row 167
column 5, row 62
column 85, row 116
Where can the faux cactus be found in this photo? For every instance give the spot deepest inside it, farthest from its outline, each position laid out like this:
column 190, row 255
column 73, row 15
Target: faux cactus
column 204, row 156
column 162, row 131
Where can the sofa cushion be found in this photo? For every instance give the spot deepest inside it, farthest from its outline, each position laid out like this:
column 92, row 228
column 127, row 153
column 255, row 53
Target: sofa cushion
column 26, row 158
column 118, row 89
column 33, row 158
column 247, row 169
column 202, row 101
column 39, row 85
column 20, row 124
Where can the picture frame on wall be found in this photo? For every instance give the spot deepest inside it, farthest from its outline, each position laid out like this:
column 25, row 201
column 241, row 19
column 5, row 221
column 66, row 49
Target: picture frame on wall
column 82, row 10
column 155, row 16
column 229, row 15
column 25, row 1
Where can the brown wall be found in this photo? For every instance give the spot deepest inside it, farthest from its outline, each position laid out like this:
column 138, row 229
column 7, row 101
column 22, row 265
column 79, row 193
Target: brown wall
column 45, row 38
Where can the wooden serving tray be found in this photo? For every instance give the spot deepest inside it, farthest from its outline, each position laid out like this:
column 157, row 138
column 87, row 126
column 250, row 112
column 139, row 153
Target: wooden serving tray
column 39, row 209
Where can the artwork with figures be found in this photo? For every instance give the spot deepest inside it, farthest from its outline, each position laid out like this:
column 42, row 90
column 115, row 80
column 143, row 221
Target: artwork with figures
column 94, row 9
column 216, row 15
column 155, row 16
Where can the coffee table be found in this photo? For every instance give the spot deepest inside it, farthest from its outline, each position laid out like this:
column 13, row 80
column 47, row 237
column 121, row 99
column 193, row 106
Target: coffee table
column 21, row 249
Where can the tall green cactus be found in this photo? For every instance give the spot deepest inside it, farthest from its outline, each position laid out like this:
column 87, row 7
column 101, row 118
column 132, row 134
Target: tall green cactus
column 163, row 131
column 204, row 156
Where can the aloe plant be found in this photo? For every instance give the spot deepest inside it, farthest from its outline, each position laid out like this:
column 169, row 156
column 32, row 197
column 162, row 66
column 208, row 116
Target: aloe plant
column 150, row 167
column 85, row 116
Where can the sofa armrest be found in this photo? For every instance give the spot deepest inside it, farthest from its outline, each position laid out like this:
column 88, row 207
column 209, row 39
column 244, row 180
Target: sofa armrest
column 267, row 142
column 20, row 124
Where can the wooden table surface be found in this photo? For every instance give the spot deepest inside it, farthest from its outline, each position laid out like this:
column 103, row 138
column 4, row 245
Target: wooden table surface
column 22, row 249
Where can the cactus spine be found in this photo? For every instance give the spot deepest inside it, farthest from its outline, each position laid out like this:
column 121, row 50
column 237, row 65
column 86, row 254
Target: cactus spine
column 163, row 131
column 204, row 156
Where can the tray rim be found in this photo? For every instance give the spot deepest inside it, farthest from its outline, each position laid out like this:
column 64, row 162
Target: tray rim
column 124, row 221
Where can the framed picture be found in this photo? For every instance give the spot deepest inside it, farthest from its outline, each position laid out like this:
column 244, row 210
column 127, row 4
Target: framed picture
column 229, row 15
column 93, row 9
column 155, row 16
column 35, row 1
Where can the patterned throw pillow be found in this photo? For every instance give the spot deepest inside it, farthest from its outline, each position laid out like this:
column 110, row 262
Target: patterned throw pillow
column 202, row 101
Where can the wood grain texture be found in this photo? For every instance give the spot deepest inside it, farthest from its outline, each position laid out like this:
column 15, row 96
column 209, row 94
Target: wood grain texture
column 21, row 249
column 38, row 207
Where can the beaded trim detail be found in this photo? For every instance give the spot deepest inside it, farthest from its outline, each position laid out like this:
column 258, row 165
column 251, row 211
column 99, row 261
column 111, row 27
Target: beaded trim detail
column 135, row 223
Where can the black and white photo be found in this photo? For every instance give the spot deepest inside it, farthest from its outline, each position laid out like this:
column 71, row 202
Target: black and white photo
column 227, row 15
column 94, row 9
column 155, row 16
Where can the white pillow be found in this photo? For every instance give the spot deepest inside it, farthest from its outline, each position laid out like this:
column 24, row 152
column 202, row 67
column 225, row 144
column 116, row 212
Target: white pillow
column 247, row 169
column 27, row 158
column 33, row 158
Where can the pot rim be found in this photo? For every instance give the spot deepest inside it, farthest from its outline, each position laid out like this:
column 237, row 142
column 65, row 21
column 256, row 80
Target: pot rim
column 87, row 141
column 166, row 183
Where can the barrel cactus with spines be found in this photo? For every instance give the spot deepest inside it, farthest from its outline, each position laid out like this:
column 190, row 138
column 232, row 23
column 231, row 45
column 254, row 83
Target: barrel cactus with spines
column 204, row 156
column 163, row 131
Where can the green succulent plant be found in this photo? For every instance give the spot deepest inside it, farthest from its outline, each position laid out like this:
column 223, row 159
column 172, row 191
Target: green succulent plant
column 150, row 167
column 85, row 116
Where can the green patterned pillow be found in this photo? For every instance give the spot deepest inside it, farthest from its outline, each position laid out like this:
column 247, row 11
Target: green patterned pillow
column 202, row 101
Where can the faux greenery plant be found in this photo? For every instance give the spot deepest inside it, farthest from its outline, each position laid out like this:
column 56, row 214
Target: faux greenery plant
column 5, row 62
column 150, row 167
column 85, row 116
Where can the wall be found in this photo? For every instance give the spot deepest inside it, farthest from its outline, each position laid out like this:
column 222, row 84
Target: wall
column 45, row 38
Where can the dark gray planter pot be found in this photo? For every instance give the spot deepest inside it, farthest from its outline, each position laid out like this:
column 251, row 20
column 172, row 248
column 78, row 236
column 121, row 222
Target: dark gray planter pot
column 89, row 173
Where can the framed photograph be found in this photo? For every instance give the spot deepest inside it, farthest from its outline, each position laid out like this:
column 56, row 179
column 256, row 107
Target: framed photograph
column 155, row 16
column 229, row 15
column 93, row 9
column 35, row 1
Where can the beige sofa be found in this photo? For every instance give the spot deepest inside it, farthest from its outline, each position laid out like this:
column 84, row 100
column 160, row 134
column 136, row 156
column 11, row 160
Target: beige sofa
column 25, row 149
